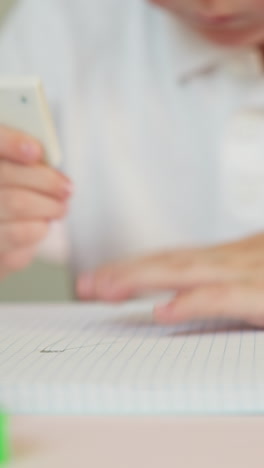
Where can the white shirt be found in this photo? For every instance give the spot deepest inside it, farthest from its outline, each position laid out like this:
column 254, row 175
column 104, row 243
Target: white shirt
column 148, row 115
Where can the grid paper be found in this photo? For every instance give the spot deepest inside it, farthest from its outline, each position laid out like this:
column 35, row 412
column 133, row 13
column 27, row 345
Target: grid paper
column 96, row 359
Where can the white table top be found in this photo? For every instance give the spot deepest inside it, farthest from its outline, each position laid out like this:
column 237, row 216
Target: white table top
column 132, row 442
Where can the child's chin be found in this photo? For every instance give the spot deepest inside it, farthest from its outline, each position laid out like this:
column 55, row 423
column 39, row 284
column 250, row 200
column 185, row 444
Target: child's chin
column 234, row 38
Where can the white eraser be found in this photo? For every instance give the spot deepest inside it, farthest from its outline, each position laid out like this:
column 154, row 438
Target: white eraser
column 23, row 106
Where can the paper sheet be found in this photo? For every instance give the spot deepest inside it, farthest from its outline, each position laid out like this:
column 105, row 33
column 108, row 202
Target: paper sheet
column 95, row 359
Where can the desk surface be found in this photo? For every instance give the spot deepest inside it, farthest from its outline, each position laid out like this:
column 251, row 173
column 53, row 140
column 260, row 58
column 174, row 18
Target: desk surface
column 130, row 443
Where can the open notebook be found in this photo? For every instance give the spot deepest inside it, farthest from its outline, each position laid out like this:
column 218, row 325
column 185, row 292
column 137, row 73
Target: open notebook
column 114, row 360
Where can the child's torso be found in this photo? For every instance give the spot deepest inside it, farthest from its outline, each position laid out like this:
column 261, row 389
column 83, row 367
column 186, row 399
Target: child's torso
column 145, row 143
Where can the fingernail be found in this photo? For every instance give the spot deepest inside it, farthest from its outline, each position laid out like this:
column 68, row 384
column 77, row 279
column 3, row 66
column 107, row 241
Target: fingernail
column 85, row 286
column 31, row 150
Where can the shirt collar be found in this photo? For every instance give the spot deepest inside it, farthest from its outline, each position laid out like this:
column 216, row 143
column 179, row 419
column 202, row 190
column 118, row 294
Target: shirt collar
column 193, row 55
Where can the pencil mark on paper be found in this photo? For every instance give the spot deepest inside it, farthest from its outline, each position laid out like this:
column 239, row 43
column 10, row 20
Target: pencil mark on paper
column 49, row 350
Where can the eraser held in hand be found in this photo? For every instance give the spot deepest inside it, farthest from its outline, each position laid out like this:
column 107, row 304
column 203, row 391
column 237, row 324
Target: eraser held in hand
column 23, row 106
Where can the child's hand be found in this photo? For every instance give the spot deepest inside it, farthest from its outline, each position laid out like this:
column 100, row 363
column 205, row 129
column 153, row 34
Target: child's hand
column 31, row 195
column 225, row 281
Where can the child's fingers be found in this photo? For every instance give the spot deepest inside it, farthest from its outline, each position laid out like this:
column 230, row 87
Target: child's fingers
column 19, row 147
column 16, row 261
column 125, row 280
column 38, row 178
column 14, row 236
column 18, row 205
column 233, row 301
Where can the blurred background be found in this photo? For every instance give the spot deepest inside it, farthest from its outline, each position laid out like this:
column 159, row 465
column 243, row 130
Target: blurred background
column 43, row 281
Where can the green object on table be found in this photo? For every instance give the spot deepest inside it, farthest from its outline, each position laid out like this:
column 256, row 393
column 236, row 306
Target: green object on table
column 4, row 439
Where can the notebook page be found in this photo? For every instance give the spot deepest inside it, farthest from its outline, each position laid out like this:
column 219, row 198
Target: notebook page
column 96, row 359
